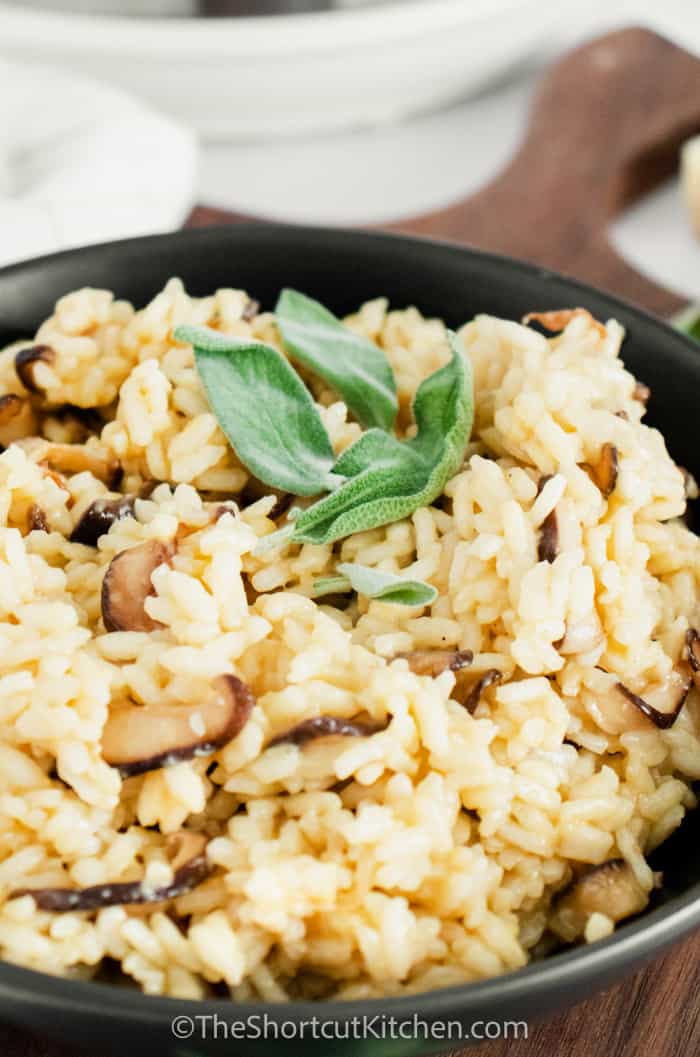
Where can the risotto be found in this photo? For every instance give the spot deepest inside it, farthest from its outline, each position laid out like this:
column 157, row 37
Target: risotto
column 228, row 782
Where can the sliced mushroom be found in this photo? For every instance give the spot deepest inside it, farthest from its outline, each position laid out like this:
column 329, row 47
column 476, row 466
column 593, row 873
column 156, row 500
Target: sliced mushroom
column 559, row 319
column 581, row 636
column 435, row 662
column 327, row 727
column 26, row 361
column 641, row 392
column 662, row 702
column 73, row 458
column 187, row 854
column 548, row 543
column 282, row 505
column 36, row 519
column 99, row 517
column 611, row 889
column 692, row 642
column 127, row 585
column 490, row 678
column 251, row 310
column 16, row 418
column 605, row 471
column 81, row 422
column 142, row 738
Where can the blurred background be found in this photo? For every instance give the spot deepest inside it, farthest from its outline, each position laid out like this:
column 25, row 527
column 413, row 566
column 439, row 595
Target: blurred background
column 327, row 111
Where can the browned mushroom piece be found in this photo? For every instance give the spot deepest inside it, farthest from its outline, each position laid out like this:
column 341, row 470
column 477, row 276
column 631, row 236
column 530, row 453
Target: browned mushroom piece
column 605, row 471
column 26, row 361
column 99, row 517
column 435, row 662
column 127, row 584
column 692, row 643
column 581, row 636
column 641, row 392
column 282, row 505
column 140, row 738
column 610, row 889
column 16, row 418
column 36, row 519
column 72, row 458
column 188, row 859
column 663, row 701
column 327, row 727
column 559, row 319
column 251, row 310
column 490, row 678
column 548, row 542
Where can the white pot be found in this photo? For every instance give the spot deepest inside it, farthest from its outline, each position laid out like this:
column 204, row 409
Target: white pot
column 283, row 75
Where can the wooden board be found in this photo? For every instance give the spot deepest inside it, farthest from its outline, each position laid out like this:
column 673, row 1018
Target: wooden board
column 606, row 127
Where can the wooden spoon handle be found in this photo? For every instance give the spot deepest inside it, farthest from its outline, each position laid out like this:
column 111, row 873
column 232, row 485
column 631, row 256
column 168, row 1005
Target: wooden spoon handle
column 605, row 128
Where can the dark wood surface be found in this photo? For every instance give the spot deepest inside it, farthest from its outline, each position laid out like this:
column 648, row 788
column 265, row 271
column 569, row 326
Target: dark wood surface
column 605, row 128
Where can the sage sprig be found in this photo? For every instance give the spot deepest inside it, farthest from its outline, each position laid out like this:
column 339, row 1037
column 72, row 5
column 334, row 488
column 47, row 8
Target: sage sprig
column 265, row 410
column 377, row 584
column 352, row 365
column 389, row 479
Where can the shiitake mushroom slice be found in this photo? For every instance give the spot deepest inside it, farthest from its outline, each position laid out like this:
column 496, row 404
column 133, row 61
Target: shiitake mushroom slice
column 326, row 727
column 72, row 458
column 140, row 738
column 99, row 517
column 662, row 703
column 610, row 889
column 604, row 472
column 548, row 542
column 26, row 361
column 187, row 853
column 37, row 520
column 435, row 662
column 491, row 677
column 692, row 642
column 127, row 584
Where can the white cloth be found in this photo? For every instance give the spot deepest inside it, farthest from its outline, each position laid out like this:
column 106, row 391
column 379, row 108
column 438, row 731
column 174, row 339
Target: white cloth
column 82, row 162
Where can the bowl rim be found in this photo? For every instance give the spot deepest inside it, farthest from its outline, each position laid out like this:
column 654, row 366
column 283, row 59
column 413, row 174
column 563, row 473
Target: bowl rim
column 632, row 943
column 337, row 29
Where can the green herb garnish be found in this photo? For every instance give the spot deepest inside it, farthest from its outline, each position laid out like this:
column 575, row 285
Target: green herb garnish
column 689, row 321
column 374, row 583
column 354, row 366
column 389, row 479
column 276, row 429
column 265, row 410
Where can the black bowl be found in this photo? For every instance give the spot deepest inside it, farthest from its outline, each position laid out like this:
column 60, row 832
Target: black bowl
column 343, row 269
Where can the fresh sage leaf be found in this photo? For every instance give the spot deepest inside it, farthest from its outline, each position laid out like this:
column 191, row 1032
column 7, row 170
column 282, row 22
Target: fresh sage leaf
column 391, row 479
column 265, row 411
column 352, row 365
column 374, row 583
column 689, row 321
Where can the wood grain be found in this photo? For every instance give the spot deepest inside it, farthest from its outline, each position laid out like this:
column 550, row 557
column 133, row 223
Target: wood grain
column 605, row 128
